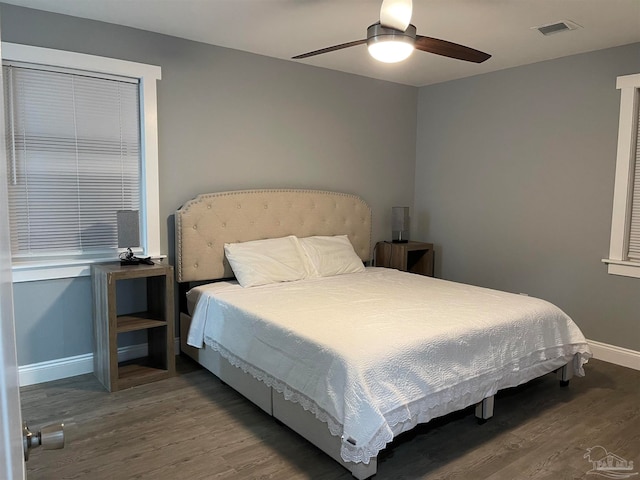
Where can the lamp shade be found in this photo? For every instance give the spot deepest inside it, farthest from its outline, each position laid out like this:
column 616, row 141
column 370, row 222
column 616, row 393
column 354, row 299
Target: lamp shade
column 128, row 228
column 400, row 224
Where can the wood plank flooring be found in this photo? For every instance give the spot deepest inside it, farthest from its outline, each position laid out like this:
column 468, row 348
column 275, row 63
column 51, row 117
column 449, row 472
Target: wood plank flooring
column 194, row 427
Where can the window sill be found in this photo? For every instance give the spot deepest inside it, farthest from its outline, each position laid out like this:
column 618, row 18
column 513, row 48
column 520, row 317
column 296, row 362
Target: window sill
column 36, row 271
column 620, row 267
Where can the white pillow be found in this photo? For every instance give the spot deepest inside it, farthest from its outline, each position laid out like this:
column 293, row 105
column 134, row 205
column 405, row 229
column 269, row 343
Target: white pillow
column 331, row 255
column 260, row 262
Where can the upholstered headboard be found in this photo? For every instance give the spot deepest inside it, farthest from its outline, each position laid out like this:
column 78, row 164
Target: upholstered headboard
column 206, row 223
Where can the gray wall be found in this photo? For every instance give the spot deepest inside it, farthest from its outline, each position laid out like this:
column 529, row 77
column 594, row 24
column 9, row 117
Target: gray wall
column 228, row 120
column 514, row 184
column 513, row 177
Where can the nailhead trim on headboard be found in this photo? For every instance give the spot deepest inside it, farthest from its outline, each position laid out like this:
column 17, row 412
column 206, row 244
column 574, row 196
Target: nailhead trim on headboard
column 206, row 223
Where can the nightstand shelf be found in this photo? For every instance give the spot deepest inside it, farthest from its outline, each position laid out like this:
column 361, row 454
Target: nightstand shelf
column 414, row 257
column 138, row 372
column 156, row 321
column 138, row 321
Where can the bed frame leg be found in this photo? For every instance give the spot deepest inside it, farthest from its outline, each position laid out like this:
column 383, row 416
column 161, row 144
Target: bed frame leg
column 362, row 471
column 565, row 374
column 484, row 410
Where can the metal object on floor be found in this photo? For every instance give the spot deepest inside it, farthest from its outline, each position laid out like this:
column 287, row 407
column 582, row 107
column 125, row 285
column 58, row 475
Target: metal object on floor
column 49, row 437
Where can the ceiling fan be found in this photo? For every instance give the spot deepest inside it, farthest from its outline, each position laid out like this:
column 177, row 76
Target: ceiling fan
column 393, row 38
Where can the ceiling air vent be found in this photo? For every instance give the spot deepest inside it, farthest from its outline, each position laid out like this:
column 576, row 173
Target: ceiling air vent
column 557, row 27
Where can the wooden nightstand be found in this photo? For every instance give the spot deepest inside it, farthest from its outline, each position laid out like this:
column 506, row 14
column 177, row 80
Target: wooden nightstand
column 414, row 257
column 157, row 321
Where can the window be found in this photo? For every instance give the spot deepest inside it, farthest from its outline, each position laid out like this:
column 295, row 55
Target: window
column 81, row 144
column 624, row 250
column 73, row 151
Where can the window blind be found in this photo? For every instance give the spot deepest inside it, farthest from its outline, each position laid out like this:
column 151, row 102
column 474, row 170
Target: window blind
column 634, row 228
column 73, row 144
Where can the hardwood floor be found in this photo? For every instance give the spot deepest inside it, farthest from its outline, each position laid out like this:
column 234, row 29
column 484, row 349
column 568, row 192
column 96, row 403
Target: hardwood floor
column 194, row 427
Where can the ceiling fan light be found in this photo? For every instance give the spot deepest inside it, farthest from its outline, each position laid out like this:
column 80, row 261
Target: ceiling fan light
column 390, row 45
column 390, row 51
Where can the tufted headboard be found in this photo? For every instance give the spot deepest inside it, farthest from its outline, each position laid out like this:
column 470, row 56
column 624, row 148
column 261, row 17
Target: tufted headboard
column 206, row 223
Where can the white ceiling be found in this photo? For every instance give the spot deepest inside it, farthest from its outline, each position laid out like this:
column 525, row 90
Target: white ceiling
column 284, row 28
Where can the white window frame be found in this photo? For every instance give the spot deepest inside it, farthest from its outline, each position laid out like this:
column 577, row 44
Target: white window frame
column 147, row 75
column 617, row 263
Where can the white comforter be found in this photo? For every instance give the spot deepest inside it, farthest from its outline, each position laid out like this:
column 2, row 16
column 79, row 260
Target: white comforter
column 375, row 353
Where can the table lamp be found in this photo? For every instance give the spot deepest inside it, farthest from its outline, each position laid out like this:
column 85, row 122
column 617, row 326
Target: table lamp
column 128, row 235
column 399, row 224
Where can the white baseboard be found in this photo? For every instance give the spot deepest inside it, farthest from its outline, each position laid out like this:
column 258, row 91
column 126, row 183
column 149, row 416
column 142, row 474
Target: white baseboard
column 55, row 369
column 77, row 365
column 617, row 355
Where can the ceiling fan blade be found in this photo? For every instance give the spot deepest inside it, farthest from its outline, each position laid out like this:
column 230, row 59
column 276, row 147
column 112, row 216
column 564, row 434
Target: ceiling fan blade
column 396, row 14
column 449, row 49
column 330, row 49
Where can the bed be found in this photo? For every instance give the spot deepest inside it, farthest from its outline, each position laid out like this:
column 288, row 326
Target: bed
column 351, row 360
